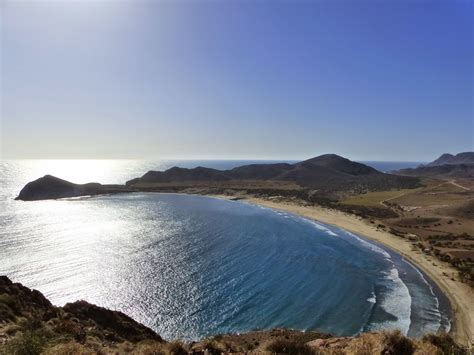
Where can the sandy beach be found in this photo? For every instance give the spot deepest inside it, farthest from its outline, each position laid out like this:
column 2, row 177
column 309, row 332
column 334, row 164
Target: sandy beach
column 460, row 295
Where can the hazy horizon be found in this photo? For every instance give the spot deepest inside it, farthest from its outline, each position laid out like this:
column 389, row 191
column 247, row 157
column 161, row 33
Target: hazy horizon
column 213, row 159
column 371, row 81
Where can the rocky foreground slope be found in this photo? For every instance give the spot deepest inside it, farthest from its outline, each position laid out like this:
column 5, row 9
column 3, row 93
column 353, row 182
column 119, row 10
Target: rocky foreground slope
column 30, row 324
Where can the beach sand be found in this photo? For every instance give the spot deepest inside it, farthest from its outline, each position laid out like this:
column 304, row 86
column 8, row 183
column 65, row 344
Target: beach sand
column 461, row 296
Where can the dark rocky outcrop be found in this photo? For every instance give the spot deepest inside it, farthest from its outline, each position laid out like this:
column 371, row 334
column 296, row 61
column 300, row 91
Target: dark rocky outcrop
column 17, row 301
column 30, row 311
column 113, row 322
column 51, row 187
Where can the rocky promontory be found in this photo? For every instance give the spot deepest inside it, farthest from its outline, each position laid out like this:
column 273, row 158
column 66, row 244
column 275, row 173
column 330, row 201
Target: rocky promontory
column 50, row 187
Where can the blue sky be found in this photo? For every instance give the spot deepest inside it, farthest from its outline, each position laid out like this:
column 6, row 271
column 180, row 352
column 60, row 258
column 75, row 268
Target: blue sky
column 370, row 80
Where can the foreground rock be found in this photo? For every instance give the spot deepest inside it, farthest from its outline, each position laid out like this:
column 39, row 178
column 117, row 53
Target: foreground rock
column 51, row 187
column 30, row 324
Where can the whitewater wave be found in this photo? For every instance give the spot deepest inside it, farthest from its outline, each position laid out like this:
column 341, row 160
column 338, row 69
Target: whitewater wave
column 397, row 302
column 369, row 245
column 372, row 298
column 435, row 313
column 321, row 227
column 397, row 299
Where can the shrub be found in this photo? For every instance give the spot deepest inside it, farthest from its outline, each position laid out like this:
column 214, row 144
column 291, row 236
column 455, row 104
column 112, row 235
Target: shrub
column 69, row 349
column 283, row 346
column 397, row 344
column 445, row 343
column 28, row 343
column 176, row 348
column 211, row 346
column 149, row 349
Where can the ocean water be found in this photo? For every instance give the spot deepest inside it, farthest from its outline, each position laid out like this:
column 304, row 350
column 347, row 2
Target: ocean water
column 193, row 266
column 388, row 166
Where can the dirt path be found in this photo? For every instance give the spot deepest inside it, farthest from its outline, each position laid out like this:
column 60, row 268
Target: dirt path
column 453, row 182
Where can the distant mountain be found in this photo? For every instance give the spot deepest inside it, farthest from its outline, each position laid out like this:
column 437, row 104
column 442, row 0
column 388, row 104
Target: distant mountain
column 446, row 166
column 329, row 172
column 442, row 171
column 461, row 158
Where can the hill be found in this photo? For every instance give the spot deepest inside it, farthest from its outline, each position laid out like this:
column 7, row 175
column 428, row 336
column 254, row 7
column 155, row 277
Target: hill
column 327, row 174
column 30, row 324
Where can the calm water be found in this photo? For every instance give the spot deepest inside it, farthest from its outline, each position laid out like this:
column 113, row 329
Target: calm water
column 190, row 266
column 388, row 166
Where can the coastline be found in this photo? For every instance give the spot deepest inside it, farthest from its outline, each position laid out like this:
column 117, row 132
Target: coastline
column 458, row 293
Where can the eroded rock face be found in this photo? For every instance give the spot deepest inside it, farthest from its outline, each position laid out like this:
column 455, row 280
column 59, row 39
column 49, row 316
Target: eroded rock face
column 20, row 301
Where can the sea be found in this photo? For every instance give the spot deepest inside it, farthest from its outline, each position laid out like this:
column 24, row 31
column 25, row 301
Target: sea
column 193, row 266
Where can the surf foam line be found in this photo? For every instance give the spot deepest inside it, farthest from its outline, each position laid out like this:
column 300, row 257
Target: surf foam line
column 371, row 246
column 436, row 311
column 319, row 226
column 398, row 300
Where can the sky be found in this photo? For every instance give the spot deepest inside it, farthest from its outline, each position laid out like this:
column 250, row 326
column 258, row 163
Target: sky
column 247, row 79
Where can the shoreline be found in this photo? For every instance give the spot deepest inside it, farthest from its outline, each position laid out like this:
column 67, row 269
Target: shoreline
column 458, row 294
column 440, row 273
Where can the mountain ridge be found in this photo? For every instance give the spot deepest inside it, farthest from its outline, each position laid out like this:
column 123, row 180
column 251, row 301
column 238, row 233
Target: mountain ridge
column 450, row 159
column 447, row 165
column 326, row 176
column 329, row 172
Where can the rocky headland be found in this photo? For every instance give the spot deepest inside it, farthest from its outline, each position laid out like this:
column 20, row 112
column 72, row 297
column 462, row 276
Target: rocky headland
column 50, row 187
